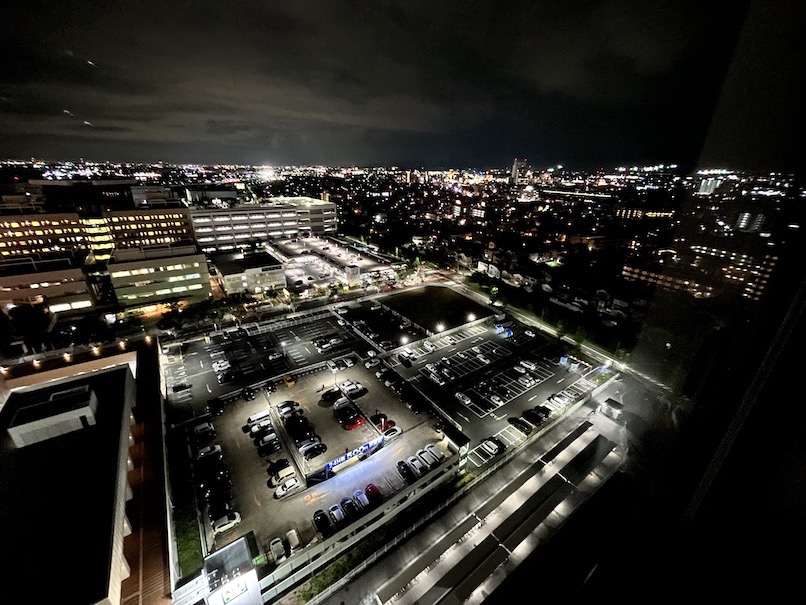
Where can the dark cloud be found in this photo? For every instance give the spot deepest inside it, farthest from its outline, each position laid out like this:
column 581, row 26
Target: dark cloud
column 415, row 83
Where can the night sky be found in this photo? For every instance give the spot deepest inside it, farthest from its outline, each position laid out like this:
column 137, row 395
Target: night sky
column 432, row 84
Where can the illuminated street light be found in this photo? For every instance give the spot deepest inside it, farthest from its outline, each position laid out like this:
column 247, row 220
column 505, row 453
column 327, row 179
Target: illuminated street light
column 440, row 327
column 404, row 340
column 471, row 317
column 67, row 356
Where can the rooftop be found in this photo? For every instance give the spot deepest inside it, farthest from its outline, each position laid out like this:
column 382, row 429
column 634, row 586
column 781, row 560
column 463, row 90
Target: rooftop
column 62, row 513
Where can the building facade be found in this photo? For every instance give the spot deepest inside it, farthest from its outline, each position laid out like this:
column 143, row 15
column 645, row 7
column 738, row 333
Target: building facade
column 150, row 276
column 252, row 274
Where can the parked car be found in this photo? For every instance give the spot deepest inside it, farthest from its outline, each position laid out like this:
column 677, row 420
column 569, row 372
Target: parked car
column 526, row 381
column 322, row 523
column 534, row 416
column 289, row 381
column 337, row 516
column 417, row 465
column 269, row 449
column 351, row 388
column 374, row 494
column 371, row 363
column 496, row 400
column 520, row 424
column 261, row 428
column 249, row 393
column 286, row 487
column 450, row 340
column 203, row 432
column 346, row 414
column 226, row 523
column 292, row 541
column 492, row 446
column 332, row 394
column 427, row 458
column 355, row 423
column 463, row 398
column 406, row 472
column 265, row 439
column 391, row 433
column 436, row 378
column 435, row 452
column 483, row 359
column 361, row 500
column 277, row 550
column 209, row 451
column 274, row 466
column 314, row 451
column 287, row 405
column 350, row 508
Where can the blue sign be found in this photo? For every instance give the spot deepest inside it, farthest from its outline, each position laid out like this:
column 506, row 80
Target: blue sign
column 359, row 451
column 563, row 359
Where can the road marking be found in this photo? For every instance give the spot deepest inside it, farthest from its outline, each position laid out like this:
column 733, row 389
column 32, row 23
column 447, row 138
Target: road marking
column 532, row 397
column 208, row 388
column 560, row 380
column 466, row 419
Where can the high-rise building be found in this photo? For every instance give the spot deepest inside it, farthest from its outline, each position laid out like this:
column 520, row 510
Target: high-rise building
column 519, row 167
column 65, row 458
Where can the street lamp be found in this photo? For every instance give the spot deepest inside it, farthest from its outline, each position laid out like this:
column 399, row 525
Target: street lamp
column 471, row 317
column 440, row 327
column 404, row 340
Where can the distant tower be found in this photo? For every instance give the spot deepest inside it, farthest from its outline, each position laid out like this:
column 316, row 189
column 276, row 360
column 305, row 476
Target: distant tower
column 517, row 167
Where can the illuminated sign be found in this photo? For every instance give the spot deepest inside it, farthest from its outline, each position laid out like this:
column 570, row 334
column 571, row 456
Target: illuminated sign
column 359, row 451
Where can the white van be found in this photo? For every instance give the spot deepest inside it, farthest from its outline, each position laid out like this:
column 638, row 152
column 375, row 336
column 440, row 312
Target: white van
column 292, row 538
column 282, row 475
column 257, row 417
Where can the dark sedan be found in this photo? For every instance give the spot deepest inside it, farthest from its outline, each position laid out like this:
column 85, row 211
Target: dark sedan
column 406, row 472
column 520, row 424
column 322, row 524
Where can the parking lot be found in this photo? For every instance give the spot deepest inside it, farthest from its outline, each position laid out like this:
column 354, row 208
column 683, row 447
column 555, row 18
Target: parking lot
column 252, row 496
column 347, row 387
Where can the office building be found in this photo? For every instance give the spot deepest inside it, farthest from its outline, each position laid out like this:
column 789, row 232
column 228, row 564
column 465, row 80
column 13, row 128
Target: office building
column 251, row 273
column 146, row 277
column 246, row 225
